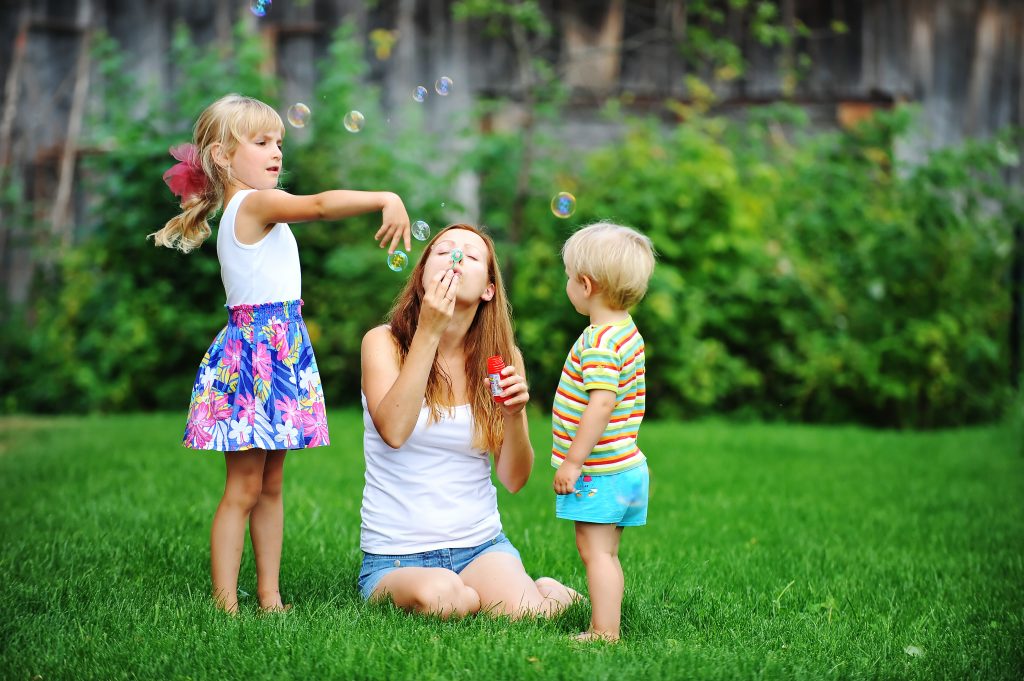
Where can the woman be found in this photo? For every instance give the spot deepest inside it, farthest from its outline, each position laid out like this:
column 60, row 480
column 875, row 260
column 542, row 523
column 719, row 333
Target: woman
column 431, row 534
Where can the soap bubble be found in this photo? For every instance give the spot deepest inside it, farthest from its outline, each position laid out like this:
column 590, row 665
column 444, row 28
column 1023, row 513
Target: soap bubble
column 354, row 121
column 258, row 7
column 420, row 93
column 420, row 230
column 443, row 86
column 563, row 205
column 298, row 115
column 398, row 261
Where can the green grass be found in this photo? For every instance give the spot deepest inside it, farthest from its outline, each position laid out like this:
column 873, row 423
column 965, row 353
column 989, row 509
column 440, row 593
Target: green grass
column 772, row 551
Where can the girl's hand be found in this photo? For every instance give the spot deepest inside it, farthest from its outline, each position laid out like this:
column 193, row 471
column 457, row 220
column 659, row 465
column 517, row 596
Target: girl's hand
column 439, row 302
column 566, row 476
column 514, row 389
column 394, row 223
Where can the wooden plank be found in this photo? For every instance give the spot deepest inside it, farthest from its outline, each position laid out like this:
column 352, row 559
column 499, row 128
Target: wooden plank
column 12, row 85
column 59, row 222
column 986, row 47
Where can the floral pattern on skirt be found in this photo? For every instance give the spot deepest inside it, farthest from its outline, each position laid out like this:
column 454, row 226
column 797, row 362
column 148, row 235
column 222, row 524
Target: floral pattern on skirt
column 258, row 385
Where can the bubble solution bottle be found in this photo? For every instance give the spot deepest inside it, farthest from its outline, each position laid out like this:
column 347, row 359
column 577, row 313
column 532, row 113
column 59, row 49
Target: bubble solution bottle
column 494, row 366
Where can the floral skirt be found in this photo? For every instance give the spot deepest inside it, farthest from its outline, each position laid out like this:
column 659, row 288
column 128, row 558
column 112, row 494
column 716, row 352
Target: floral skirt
column 258, row 385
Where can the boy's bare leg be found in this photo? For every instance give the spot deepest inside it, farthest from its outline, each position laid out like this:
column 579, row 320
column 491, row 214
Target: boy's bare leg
column 227, row 536
column 599, row 548
column 266, row 528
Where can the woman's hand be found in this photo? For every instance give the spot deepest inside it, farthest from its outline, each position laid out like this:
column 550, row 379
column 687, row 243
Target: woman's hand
column 439, row 302
column 394, row 223
column 514, row 389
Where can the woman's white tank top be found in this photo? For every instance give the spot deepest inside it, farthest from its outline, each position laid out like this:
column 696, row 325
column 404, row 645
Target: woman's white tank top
column 433, row 492
column 264, row 272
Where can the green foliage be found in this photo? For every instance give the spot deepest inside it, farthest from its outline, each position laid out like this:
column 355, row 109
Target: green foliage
column 816, row 279
column 801, row 275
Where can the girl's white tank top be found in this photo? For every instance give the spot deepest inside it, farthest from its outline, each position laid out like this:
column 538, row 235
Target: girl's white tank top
column 265, row 272
column 433, row 492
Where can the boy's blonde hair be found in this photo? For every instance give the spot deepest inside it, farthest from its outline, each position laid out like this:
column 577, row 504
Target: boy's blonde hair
column 228, row 121
column 618, row 259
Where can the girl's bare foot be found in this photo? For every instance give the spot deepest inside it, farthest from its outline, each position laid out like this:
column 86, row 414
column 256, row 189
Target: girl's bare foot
column 603, row 636
column 228, row 606
column 270, row 602
column 275, row 609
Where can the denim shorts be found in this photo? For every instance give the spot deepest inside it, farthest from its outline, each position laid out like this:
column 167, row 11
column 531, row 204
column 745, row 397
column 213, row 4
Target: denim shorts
column 612, row 499
column 376, row 566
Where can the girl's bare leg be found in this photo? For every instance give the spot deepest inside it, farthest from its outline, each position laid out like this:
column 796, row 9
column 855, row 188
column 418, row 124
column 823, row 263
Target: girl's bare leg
column 599, row 548
column 242, row 489
column 266, row 528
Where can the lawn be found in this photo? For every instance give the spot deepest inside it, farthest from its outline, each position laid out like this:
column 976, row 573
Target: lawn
column 772, row 551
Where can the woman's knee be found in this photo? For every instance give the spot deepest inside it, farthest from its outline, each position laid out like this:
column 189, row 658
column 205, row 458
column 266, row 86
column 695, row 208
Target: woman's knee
column 444, row 594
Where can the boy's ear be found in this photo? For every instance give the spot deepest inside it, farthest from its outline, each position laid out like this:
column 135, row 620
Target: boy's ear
column 588, row 285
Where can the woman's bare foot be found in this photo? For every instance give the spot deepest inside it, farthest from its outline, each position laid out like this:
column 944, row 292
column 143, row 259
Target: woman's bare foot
column 557, row 596
column 603, row 636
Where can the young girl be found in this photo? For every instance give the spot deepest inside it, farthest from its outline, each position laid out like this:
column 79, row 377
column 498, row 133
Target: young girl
column 257, row 393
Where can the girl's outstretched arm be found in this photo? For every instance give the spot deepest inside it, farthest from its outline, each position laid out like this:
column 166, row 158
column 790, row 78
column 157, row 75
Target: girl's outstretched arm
column 270, row 206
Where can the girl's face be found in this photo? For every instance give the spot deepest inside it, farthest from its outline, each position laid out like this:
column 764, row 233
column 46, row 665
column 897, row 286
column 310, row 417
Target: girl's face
column 473, row 268
column 256, row 161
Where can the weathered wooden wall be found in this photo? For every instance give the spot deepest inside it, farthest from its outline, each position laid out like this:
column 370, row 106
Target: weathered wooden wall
column 962, row 60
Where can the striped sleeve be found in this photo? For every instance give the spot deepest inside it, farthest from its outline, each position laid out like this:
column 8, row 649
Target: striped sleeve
column 600, row 368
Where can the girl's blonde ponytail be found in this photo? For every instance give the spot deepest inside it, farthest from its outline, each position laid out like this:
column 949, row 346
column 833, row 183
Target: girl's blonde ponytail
column 189, row 229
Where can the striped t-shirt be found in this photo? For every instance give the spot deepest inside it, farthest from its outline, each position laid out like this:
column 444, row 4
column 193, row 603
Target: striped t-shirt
column 606, row 357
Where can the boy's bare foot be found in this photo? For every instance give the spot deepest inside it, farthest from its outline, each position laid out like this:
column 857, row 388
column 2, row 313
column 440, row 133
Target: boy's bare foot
column 603, row 636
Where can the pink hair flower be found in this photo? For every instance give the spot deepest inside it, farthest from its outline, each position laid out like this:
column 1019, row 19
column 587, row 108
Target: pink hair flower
column 186, row 178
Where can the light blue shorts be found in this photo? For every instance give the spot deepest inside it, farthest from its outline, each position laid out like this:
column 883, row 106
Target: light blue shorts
column 376, row 565
column 613, row 499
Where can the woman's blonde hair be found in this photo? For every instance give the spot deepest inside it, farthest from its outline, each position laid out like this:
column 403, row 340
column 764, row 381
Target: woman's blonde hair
column 228, row 121
column 489, row 334
column 619, row 260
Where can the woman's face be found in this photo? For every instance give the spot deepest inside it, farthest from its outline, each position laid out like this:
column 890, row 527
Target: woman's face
column 475, row 278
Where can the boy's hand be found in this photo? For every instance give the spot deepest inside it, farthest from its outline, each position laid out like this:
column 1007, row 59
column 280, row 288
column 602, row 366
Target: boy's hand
column 394, row 223
column 566, row 476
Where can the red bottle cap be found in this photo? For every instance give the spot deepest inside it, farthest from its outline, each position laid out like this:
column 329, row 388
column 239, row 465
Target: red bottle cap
column 494, row 366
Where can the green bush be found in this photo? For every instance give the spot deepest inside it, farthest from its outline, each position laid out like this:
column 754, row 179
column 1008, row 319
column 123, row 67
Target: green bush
column 801, row 276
